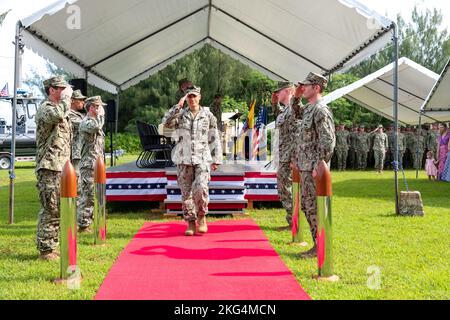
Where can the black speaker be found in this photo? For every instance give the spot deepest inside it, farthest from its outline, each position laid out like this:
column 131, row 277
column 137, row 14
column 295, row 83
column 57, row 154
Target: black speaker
column 111, row 111
column 79, row 84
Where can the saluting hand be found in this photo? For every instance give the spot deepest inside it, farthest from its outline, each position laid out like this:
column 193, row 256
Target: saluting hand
column 181, row 102
column 299, row 91
column 101, row 111
column 214, row 166
column 66, row 93
column 275, row 98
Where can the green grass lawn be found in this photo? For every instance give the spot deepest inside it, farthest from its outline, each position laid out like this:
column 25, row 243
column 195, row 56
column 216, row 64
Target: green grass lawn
column 412, row 253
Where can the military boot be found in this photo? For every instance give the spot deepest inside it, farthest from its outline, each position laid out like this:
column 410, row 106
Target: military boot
column 48, row 255
column 86, row 229
column 190, row 231
column 311, row 253
column 202, row 226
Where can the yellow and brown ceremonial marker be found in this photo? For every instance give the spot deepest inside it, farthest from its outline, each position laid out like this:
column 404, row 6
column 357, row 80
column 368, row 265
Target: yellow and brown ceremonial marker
column 100, row 202
column 68, row 224
column 324, row 223
column 299, row 222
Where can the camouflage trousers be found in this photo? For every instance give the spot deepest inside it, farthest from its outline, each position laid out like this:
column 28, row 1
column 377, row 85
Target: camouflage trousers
column 342, row 158
column 352, row 161
column 48, row 185
column 309, row 201
column 379, row 159
column 284, row 186
column 417, row 159
column 76, row 166
column 401, row 154
column 85, row 197
column 362, row 159
column 193, row 182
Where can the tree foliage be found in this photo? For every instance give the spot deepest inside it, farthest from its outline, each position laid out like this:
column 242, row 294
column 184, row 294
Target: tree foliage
column 422, row 40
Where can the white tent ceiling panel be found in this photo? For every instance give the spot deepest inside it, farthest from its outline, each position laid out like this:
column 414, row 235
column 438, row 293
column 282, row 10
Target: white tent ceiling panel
column 438, row 101
column 109, row 26
column 147, row 73
column 49, row 53
column 119, row 40
column 234, row 54
column 152, row 51
column 256, row 48
column 310, row 30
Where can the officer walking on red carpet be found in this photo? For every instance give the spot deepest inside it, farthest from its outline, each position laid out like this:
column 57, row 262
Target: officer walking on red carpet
column 198, row 149
column 316, row 142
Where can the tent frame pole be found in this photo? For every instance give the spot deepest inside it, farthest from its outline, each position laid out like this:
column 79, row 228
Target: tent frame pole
column 12, row 174
column 116, row 128
column 395, row 110
column 417, row 147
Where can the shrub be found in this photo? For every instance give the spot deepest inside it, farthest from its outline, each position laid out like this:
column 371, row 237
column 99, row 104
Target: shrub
column 126, row 141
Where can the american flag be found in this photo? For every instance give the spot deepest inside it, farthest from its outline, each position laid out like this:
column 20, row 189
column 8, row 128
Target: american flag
column 5, row 91
column 257, row 130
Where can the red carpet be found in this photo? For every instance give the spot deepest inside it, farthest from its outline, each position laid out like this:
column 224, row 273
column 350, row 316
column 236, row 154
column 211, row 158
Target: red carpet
column 234, row 261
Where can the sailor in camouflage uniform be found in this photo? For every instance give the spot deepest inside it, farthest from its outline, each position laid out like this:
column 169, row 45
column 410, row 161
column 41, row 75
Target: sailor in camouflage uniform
column 390, row 151
column 401, row 140
column 198, row 149
column 353, row 163
column 362, row 148
column 316, row 143
column 418, row 149
column 287, row 125
column 380, row 145
column 92, row 140
column 409, row 137
column 76, row 116
column 53, row 140
column 342, row 147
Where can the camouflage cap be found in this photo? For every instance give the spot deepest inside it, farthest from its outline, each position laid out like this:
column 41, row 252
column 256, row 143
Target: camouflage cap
column 283, row 85
column 77, row 95
column 362, row 126
column 92, row 100
column 56, row 82
column 380, row 126
column 315, row 78
column 193, row 90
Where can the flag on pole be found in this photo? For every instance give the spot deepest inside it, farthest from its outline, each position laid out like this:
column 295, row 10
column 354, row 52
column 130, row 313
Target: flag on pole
column 258, row 131
column 5, row 91
column 249, row 123
column 251, row 115
column 251, row 126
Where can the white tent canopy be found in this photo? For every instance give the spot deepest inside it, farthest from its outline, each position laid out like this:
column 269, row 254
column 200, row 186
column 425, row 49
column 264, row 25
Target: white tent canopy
column 123, row 42
column 375, row 91
column 437, row 104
